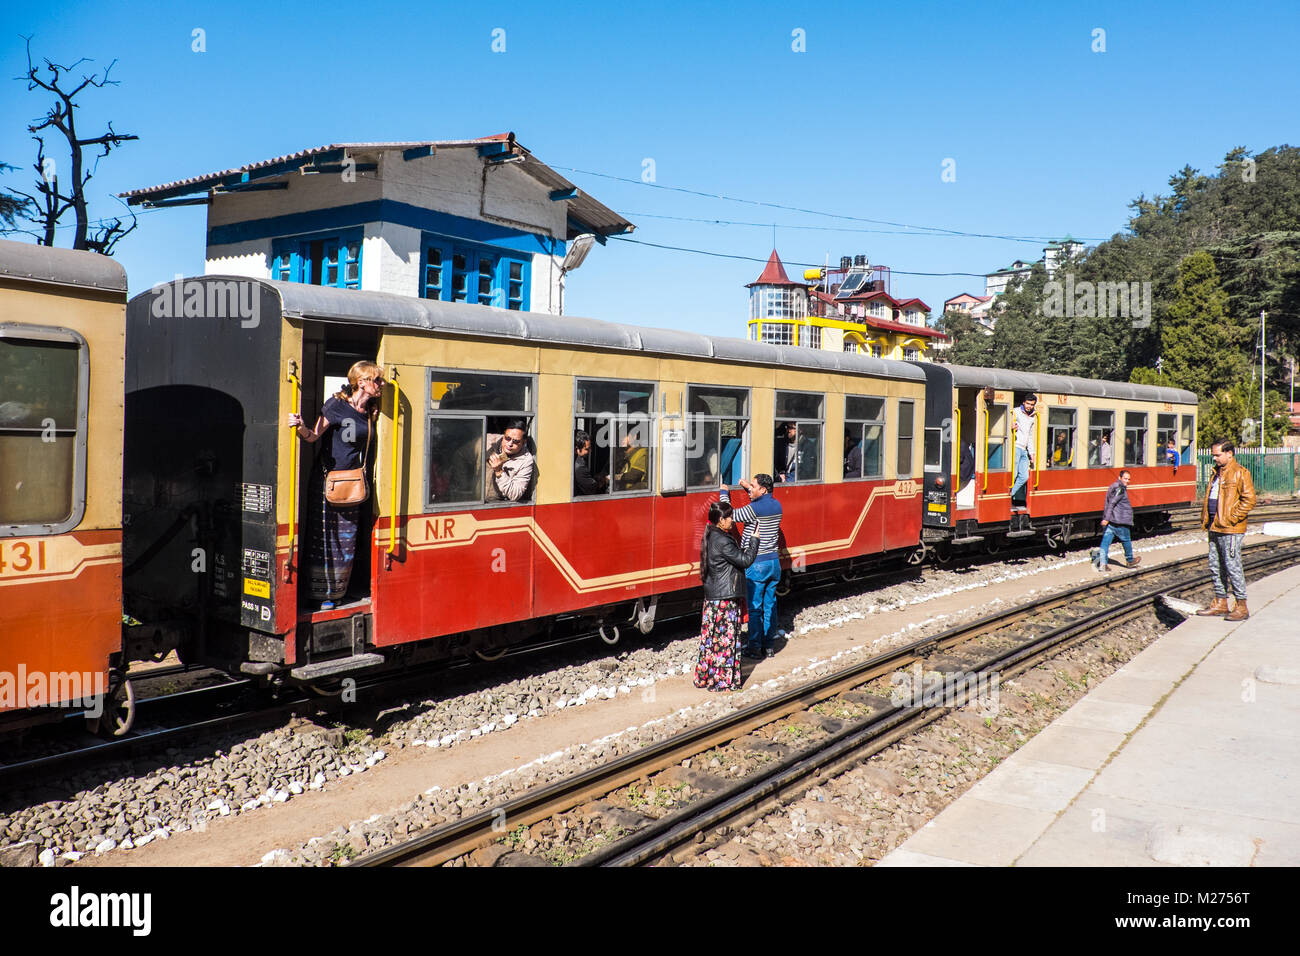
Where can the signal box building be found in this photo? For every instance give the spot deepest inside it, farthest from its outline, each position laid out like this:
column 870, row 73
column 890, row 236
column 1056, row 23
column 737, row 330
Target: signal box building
column 480, row 221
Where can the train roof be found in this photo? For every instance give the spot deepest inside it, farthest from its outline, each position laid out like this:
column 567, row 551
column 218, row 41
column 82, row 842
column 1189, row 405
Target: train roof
column 387, row 309
column 29, row 262
column 966, row 375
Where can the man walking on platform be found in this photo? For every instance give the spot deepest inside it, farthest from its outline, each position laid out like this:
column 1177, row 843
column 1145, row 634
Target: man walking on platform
column 1023, row 425
column 1117, row 519
column 761, row 517
column 1228, row 501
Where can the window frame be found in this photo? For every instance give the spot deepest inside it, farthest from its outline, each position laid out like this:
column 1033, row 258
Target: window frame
column 1103, row 428
column 1051, row 439
column 1160, row 442
column 744, row 442
column 474, row 253
column 799, row 423
column 883, row 422
column 430, row 375
column 910, row 438
column 292, row 247
column 1146, row 418
column 1004, row 437
column 1186, row 454
column 652, row 443
column 60, row 334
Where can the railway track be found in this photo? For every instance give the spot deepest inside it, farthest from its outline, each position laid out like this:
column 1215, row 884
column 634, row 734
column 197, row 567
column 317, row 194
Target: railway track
column 969, row 656
column 248, row 710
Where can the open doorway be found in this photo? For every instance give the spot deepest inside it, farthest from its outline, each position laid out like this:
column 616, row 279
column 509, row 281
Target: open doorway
column 336, row 552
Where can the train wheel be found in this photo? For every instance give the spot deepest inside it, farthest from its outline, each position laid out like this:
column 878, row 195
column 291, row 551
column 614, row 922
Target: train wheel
column 784, row 584
column 118, row 716
column 609, row 634
column 992, row 545
column 917, row 556
column 943, row 553
column 492, row 655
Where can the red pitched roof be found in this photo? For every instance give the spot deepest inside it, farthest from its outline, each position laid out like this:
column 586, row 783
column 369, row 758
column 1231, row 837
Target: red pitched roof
column 904, row 303
column 887, row 326
column 773, row 274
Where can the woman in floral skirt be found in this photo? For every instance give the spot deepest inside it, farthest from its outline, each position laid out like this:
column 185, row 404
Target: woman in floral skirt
column 722, row 566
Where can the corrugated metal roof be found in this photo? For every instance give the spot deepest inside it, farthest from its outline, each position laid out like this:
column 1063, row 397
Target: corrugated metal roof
column 67, row 267
column 387, row 309
column 588, row 212
column 966, row 375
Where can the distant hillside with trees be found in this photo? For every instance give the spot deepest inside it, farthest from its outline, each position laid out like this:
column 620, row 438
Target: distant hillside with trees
column 1217, row 250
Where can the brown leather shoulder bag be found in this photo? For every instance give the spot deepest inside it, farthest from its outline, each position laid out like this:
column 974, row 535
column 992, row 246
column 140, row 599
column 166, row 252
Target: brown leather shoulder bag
column 346, row 487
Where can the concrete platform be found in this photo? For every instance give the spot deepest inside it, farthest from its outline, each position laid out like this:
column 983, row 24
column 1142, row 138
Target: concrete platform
column 1189, row 755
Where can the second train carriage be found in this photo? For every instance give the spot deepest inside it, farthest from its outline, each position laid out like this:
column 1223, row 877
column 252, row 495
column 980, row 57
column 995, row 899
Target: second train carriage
column 1086, row 432
column 61, row 357
column 216, row 487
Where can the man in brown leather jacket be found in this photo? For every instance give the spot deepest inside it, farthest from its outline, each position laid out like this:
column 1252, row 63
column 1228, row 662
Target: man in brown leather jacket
column 1228, row 500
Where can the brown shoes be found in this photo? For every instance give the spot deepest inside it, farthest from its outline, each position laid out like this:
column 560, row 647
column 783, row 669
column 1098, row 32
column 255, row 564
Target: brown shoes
column 1135, row 562
column 1217, row 609
column 1239, row 613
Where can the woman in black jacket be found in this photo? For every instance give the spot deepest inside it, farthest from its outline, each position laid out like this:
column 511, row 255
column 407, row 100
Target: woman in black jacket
column 722, row 565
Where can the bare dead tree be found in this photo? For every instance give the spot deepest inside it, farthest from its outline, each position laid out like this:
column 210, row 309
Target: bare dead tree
column 51, row 200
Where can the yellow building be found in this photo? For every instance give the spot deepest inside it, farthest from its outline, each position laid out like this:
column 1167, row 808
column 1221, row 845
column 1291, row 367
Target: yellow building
column 846, row 309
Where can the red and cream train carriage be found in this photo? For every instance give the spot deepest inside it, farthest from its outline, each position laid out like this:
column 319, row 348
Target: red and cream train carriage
column 212, row 471
column 61, row 357
column 1086, row 431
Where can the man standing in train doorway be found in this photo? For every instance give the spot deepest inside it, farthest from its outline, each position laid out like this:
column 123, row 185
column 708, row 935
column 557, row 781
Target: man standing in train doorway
column 761, row 517
column 1023, row 426
column 1228, row 501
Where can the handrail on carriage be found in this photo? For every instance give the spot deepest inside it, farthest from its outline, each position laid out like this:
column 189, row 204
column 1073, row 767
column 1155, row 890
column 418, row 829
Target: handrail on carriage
column 293, row 477
column 392, row 497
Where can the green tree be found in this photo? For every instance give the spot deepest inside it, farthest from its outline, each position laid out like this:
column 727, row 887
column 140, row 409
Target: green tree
column 1223, row 411
column 1204, row 349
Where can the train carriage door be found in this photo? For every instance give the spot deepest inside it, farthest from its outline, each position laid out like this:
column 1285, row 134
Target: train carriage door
column 938, row 446
column 968, row 467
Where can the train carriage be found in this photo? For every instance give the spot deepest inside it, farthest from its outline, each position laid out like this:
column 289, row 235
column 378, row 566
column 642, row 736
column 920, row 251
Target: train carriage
column 1086, row 431
column 62, row 319
column 218, row 489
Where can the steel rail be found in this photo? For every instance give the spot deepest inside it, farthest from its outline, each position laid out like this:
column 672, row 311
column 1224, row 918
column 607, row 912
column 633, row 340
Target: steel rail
column 454, row 839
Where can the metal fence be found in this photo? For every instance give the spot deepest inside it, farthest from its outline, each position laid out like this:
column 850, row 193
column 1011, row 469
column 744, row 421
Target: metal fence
column 1276, row 471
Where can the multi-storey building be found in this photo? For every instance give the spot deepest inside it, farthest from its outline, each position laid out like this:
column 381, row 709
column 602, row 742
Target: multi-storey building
column 847, row 309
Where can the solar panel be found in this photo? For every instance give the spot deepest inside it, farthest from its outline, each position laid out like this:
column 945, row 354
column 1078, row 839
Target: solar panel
column 851, row 285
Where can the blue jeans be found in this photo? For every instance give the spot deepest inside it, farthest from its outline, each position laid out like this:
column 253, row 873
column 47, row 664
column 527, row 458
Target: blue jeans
column 1112, row 532
column 761, row 579
column 1022, row 472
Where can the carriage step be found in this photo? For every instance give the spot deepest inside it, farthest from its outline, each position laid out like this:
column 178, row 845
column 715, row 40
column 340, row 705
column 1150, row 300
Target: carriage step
column 1028, row 533
column 341, row 666
column 970, row 539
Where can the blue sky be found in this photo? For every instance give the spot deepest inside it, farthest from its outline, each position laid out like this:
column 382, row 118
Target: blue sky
column 1047, row 136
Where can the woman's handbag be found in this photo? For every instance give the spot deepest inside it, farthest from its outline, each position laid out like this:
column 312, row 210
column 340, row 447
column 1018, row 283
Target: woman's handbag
column 345, row 487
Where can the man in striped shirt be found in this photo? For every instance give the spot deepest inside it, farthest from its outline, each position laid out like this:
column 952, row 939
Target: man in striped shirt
column 762, row 517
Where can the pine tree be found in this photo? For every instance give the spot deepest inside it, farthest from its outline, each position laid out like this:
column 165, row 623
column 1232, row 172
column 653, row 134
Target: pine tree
column 1204, row 349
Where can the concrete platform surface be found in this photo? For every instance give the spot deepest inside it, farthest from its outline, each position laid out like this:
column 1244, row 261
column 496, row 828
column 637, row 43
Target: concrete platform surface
column 1189, row 755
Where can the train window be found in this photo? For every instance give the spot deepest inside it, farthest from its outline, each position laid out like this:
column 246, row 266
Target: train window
column 1135, row 438
column 1187, row 439
column 1060, row 437
column 797, row 448
column 864, row 437
column 934, row 449
column 619, row 417
column 1101, row 436
column 995, row 453
column 905, row 435
column 40, row 470
column 716, row 430
column 466, row 411
column 1166, row 431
